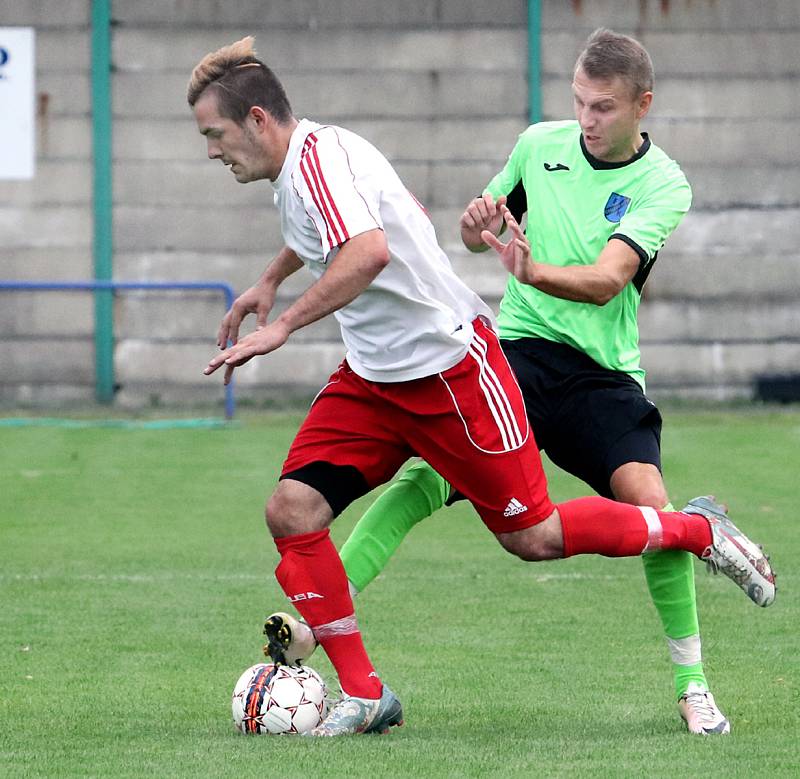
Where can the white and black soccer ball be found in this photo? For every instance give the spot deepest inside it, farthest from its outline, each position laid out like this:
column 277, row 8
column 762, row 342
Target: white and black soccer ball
column 279, row 699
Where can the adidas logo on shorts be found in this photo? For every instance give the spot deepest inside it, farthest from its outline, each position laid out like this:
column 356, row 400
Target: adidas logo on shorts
column 514, row 507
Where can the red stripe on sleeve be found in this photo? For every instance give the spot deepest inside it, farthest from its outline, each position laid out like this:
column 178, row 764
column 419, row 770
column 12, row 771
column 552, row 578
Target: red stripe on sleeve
column 304, row 170
column 328, row 193
column 320, row 199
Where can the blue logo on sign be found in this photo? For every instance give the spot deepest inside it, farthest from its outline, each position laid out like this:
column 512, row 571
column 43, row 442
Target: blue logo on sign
column 4, row 57
column 616, row 206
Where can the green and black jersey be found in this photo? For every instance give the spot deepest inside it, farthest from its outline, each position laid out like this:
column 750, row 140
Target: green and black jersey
column 575, row 203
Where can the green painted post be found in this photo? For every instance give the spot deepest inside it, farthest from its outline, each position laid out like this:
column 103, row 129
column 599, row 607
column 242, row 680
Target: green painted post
column 534, row 61
column 103, row 236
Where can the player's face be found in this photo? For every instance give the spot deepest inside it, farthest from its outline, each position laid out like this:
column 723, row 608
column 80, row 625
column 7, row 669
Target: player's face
column 609, row 115
column 239, row 146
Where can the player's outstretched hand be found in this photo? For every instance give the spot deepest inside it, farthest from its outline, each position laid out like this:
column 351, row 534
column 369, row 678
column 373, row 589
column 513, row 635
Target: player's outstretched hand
column 262, row 341
column 482, row 213
column 257, row 300
column 516, row 254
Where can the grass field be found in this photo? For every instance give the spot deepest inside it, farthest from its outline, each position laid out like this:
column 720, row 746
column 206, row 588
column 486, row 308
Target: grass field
column 135, row 572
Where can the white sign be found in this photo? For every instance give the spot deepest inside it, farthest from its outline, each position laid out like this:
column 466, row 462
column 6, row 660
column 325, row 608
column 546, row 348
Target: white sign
column 17, row 102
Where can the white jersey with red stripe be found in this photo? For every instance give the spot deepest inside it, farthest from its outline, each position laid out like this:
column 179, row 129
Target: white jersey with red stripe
column 415, row 318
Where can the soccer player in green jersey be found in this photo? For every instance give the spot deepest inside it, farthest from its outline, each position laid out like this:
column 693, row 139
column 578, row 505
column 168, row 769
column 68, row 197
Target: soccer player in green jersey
column 601, row 199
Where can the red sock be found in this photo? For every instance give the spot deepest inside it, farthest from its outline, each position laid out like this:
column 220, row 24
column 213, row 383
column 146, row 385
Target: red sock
column 606, row 527
column 312, row 576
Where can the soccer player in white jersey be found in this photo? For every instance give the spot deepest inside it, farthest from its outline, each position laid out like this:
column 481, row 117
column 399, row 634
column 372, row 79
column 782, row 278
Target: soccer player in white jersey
column 423, row 374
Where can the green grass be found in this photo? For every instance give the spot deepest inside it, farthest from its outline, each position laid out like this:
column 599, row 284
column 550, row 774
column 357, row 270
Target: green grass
column 135, row 571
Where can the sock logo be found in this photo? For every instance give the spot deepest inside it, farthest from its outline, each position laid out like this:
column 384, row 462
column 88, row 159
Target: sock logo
column 514, row 507
column 304, row 596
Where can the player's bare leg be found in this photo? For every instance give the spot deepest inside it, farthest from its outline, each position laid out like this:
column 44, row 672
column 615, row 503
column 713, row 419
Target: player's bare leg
column 416, row 494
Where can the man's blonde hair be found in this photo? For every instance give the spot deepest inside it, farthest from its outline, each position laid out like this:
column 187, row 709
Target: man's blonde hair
column 217, row 63
column 240, row 81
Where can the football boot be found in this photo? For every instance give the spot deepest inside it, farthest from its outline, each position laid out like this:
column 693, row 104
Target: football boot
column 290, row 641
column 700, row 713
column 352, row 715
column 731, row 552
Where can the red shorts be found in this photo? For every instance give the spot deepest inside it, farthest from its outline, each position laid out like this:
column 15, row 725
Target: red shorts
column 468, row 423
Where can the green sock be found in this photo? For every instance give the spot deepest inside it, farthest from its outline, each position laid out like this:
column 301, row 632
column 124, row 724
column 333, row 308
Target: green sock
column 417, row 494
column 670, row 579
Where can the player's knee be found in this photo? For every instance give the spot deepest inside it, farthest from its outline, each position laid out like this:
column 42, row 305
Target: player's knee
column 283, row 516
column 295, row 508
column 656, row 499
column 639, row 484
column 277, row 514
column 653, row 495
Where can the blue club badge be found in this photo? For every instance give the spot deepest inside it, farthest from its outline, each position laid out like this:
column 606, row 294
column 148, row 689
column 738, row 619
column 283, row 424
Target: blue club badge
column 616, row 206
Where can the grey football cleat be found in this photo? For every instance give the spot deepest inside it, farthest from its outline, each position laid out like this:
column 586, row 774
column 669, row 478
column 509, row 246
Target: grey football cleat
column 700, row 712
column 290, row 641
column 353, row 715
column 731, row 552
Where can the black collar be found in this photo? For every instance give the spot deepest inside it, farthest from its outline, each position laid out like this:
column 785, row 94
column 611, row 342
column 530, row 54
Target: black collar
column 602, row 165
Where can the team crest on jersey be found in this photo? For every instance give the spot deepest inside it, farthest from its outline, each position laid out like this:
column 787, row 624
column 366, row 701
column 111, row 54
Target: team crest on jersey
column 616, row 206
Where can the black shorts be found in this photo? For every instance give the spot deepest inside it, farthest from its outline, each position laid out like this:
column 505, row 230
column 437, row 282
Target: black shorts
column 588, row 419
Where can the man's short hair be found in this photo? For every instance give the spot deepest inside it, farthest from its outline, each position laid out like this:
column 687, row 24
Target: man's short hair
column 608, row 54
column 240, row 81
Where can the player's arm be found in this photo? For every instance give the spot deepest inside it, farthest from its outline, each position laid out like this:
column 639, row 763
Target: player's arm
column 598, row 283
column 260, row 298
column 616, row 265
column 356, row 265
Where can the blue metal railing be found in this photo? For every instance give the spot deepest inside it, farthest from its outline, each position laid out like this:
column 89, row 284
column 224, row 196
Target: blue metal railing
column 93, row 286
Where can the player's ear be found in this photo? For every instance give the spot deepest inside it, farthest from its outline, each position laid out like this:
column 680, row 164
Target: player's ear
column 259, row 117
column 644, row 103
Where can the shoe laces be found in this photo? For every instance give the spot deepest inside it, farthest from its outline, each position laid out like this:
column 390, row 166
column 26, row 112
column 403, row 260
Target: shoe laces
column 718, row 562
column 702, row 704
column 740, row 574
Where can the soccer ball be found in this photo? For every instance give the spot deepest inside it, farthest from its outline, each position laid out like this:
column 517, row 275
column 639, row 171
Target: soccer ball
column 279, row 699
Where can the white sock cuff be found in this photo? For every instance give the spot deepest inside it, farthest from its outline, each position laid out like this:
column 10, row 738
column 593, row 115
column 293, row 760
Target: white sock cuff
column 339, row 627
column 655, row 533
column 685, row 651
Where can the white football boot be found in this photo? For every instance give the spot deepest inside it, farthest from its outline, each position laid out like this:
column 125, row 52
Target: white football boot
column 290, row 641
column 700, row 712
column 731, row 552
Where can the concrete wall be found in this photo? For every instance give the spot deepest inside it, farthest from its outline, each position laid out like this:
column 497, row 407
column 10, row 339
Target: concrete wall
column 441, row 88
